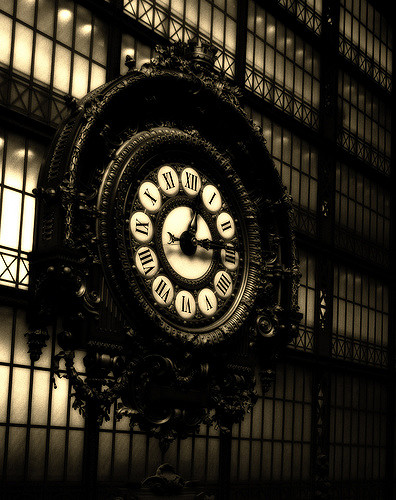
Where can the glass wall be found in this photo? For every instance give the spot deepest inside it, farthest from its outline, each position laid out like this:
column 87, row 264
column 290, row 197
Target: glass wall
column 50, row 48
column 20, row 158
column 281, row 67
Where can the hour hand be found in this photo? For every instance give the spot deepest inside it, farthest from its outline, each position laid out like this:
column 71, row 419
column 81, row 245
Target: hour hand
column 209, row 244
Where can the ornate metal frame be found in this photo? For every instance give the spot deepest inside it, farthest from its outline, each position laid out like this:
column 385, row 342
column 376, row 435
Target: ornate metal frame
column 167, row 386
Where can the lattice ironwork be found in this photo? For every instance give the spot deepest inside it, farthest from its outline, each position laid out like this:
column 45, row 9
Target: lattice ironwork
column 14, row 269
column 365, row 151
column 31, row 99
column 283, row 99
column 347, row 240
column 355, row 350
column 171, row 24
column 304, row 221
column 368, row 66
column 304, row 13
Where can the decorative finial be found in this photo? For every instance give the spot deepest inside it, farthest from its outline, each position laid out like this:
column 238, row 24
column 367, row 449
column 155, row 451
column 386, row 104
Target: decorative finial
column 130, row 62
column 203, row 53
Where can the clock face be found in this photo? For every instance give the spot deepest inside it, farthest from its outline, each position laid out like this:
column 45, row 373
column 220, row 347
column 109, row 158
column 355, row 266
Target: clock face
column 187, row 245
column 178, row 236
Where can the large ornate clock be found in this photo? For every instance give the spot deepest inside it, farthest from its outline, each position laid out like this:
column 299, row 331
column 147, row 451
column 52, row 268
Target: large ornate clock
column 164, row 244
column 186, row 237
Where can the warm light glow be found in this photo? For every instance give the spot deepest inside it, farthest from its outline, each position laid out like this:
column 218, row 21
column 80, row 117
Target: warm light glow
column 129, row 52
column 64, row 15
column 10, row 218
column 86, row 29
column 1, row 142
column 20, row 153
column 270, row 29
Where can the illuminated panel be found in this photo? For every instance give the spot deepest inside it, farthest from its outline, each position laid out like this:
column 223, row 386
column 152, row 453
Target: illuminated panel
column 20, row 159
column 214, row 21
column 50, row 51
column 282, row 68
column 366, row 123
column 297, row 163
column 41, row 435
column 135, row 49
column 358, row 436
column 272, row 443
column 362, row 206
column 309, row 12
column 366, row 40
column 360, row 317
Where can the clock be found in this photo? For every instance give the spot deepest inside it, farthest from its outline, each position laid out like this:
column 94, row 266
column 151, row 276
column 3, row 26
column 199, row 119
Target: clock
column 180, row 237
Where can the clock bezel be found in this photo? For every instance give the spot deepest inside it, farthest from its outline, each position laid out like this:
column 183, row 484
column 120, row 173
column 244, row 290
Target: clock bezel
column 121, row 181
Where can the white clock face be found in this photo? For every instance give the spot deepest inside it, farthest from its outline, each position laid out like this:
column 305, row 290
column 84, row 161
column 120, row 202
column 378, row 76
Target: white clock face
column 186, row 244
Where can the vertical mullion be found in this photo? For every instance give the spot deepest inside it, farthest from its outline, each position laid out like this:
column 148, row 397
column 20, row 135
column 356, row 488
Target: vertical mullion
column 241, row 42
column 10, row 380
column 28, row 422
column 48, row 429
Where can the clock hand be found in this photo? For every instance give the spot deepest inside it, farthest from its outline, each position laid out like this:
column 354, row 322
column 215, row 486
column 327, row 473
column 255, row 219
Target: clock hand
column 192, row 227
column 209, row 244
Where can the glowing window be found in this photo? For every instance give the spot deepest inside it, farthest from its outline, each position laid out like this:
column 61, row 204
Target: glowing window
column 366, row 40
column 21, row 159
column 183, row 20
column 64, row 49
column 366, row 123
column 281, row 67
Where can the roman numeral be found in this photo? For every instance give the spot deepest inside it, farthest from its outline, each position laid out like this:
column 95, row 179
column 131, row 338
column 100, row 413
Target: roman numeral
column 226, row 225
column 186, row 304
column 162, row 290
column 223, row 284
column 153, row 200
column 146, row 258
column 191, row 181
column 169, row 180
column 213, row 195
column 208, row 304
column 142, row 227
column 230, row 255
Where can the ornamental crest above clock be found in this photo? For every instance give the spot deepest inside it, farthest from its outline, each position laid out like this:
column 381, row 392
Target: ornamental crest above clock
column 165, row 244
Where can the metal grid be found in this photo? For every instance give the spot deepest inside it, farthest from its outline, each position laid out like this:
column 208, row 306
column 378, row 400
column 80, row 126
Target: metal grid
column 366, row 123
column 273, row 442
column 358, row 415
column 20, row 161
column 132, row 456
column 212, row 20
column 281, row 67
column 41, row 436
column 366, row 40
column 49, row 47
column 309, row 12
column 362, row 206
column 360, row 317
column 297, row 163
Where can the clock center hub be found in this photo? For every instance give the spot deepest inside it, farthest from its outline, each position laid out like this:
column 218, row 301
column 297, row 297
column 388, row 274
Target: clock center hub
column 188, row 243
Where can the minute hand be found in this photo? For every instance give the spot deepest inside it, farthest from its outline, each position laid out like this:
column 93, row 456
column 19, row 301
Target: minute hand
column 209, row 244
